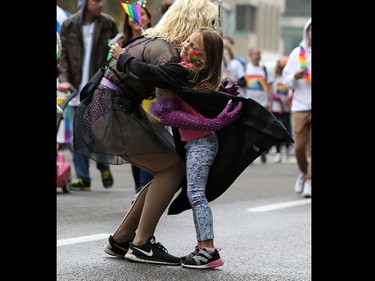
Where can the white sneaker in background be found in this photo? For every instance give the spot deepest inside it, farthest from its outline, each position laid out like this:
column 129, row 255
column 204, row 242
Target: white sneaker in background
column 307, row 189
column 287, row 152
column 277, row 158
column 298, row 187
column 272, row 150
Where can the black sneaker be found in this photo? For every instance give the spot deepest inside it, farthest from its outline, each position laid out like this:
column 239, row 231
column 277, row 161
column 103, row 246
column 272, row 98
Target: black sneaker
column 204, row 260
column 107, row 178
column 116, row 249
column 80, row 184
column 191, row 255
column 151, row 252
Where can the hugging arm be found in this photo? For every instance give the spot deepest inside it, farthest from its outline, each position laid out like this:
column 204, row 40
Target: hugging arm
column 169, row 114
column 170, row 75
column 232, row 90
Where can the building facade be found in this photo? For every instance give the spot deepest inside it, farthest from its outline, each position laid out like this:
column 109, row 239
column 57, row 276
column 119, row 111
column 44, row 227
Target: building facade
column 274, row 26
column 297, row 12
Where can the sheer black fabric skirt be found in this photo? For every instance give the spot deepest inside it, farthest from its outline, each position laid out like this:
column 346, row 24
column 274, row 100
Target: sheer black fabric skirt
column 108, row 127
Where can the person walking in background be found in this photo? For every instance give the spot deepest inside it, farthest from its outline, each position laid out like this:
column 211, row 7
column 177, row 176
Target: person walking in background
column 202, row 64
column 64, row 132
column 232, row 70
column 297, row 76
column 84, row 39
column 281, row 104
column 230, row 40
column 258, row 84
column 257, row 80
column 130, row 30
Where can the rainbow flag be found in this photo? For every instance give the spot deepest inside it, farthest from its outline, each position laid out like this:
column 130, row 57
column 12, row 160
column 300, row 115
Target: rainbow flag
column 302, row 62
column 281, row 89
column 256, row 82
column 133, row 9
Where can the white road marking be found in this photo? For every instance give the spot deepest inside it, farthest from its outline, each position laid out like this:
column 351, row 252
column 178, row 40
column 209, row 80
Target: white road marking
column 280, row 205
column 82, row 239
column 100, row 236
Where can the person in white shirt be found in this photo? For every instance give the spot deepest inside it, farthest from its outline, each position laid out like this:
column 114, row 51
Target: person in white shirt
column 232, row 68
column 257, row 80
column 281, row 104
column 297, row 75
column 258, row 84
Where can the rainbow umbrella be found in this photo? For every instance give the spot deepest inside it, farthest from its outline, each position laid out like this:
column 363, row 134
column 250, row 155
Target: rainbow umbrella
column 133, row 9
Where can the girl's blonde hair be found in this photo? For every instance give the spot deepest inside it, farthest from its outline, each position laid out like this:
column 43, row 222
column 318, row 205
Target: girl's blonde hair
column 182, row 18
column 208, row 74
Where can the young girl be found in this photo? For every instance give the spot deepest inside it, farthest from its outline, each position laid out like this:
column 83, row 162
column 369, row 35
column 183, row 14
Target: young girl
column 200, row 68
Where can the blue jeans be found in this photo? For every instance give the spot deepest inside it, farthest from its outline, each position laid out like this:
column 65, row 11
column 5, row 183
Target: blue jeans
column 81, row 162
column 200, row 154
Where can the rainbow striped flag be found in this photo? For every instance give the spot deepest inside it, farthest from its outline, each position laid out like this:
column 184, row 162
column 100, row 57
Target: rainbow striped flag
column 256, row 82
column 133, row 9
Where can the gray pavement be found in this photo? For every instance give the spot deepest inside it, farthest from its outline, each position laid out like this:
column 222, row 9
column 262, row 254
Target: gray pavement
column 261, row 225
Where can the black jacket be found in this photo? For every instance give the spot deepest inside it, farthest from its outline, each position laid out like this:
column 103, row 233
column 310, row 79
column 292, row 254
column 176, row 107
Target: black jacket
column 240, row 143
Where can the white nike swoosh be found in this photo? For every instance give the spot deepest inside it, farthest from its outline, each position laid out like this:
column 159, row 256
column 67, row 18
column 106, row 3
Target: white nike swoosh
column 149, row 254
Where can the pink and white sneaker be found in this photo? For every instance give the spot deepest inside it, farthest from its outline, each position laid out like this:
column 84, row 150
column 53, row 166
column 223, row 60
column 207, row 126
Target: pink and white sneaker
column 204, row 260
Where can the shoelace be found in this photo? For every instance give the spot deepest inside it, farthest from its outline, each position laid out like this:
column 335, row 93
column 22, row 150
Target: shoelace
column 161, row 247
column 195, row 252
column 202, row 257
column 192, row 254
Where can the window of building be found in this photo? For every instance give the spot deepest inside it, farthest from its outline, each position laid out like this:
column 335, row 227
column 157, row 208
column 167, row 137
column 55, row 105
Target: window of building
column 297, row 8
column 246, row 18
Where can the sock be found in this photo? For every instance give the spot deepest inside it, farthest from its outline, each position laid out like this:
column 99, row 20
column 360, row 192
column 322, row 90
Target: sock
column 210, row 250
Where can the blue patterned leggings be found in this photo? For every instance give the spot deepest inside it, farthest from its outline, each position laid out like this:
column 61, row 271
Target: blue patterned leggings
column 200, row 154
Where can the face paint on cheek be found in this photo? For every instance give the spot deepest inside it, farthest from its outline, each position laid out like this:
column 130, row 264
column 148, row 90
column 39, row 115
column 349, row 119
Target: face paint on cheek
column 194, row 56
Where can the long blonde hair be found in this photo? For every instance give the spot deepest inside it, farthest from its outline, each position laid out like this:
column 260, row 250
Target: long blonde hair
column 182, row 18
